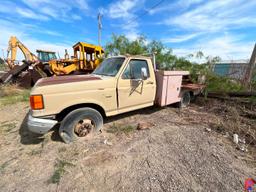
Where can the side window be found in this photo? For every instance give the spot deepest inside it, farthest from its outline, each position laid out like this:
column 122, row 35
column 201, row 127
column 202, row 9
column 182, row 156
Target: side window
column 133, row 70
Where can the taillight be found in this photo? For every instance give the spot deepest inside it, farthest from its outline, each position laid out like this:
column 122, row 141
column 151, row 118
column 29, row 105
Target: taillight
column 36, row 102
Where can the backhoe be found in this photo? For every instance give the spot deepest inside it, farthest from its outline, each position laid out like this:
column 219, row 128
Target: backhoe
column 32, row 67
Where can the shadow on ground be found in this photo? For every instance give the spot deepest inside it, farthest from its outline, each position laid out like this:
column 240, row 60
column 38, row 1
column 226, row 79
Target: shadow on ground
column 29, row 138
column 145, row 111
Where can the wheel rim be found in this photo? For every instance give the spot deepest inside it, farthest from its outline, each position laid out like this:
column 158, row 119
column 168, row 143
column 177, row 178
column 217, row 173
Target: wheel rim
column 84, row 127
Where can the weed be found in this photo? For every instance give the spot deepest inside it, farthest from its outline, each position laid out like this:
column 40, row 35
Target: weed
column 10, row 94
column 3, row 166
column 35, row 152
column 252, row 99
column 117, row 129
column 62, row 149
column 59, row 170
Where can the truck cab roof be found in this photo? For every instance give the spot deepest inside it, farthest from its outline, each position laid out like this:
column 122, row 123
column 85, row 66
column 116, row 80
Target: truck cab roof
column 131, row 56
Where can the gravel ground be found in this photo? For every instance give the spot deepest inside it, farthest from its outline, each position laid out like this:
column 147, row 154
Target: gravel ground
column 174, row 154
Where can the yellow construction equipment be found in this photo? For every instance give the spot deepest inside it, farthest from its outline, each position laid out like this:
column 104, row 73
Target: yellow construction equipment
column 32, row 67
column 14, row 43
column 86, row 58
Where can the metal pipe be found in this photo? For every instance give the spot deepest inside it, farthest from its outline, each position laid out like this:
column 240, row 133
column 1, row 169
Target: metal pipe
column 154, row 60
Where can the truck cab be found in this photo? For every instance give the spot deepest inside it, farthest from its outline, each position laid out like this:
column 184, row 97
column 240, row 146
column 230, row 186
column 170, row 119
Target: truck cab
column 79, row 102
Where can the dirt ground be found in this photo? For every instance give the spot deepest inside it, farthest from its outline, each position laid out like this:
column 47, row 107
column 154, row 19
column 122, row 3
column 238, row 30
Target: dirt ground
column 181, row 151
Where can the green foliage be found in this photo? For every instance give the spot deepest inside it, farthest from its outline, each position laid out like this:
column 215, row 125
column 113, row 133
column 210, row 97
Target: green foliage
column 222, row 84
column 118, row 129
column 165, row 59
column 252, row 99
column 121, row 45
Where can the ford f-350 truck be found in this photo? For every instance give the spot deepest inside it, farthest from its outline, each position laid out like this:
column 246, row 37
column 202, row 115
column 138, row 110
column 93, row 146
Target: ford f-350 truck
column 120, row 84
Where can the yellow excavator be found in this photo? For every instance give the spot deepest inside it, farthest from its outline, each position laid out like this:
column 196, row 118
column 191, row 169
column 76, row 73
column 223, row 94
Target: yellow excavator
column 14, row 44
column 86, row 58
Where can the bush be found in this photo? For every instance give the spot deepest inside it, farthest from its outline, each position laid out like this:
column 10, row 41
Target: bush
column 222, row 84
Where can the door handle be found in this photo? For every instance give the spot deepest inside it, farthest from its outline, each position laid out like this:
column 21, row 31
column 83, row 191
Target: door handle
column 150, row 82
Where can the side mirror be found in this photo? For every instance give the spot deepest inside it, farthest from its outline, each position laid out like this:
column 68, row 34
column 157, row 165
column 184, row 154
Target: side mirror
column 144, row 73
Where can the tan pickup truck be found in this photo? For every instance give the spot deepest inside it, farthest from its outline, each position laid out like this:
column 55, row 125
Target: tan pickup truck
column 120, row 84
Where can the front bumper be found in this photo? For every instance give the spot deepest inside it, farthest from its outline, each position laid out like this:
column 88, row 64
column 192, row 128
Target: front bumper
column 39, row 125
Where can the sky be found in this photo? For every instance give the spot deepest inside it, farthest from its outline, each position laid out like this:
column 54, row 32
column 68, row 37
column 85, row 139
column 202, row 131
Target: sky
column 224, row 28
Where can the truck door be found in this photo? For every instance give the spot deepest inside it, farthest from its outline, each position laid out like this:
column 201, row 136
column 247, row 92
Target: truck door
column 134, row 90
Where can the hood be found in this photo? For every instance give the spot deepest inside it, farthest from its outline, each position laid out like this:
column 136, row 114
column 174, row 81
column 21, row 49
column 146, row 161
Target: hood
column 72, row 84
column 66, row 79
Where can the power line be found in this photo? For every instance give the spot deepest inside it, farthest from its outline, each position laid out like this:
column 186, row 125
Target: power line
column 145, row 12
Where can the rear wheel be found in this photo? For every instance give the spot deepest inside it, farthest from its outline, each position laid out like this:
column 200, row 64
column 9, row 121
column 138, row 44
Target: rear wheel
column 185, row 99
column 80, row 123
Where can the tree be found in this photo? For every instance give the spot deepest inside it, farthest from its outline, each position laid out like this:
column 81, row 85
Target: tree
column 199, row 55
column 140, row 46
column 120, row 45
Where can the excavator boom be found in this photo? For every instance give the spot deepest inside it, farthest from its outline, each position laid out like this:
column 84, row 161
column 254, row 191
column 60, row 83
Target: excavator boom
column 14, row 44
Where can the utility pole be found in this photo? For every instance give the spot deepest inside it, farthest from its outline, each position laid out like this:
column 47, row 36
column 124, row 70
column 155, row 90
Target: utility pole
column 251, row 65
column 99, row 27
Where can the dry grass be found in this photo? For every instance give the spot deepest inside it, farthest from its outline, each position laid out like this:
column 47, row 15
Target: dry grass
column 228, row 117
column 7, row 126
column 10, row 94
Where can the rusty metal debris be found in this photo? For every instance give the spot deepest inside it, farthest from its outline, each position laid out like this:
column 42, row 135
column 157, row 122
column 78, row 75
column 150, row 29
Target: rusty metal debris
column 144, row 125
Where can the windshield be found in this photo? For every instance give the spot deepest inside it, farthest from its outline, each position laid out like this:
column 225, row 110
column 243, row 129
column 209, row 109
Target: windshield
column 45, row 56
column 110, row 66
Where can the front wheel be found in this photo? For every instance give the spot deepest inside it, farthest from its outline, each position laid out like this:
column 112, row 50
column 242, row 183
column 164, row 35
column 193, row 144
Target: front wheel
column 80, row 123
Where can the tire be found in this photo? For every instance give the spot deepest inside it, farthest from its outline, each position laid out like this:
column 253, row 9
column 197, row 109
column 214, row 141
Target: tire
column 185, row 99
column 68, row 130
